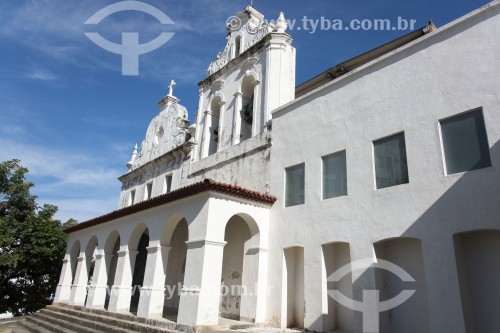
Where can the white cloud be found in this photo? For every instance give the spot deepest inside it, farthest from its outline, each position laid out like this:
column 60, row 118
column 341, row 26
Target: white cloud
column 83, row 209
column 55, row 28
column 42, row 75
column 68, row 168
column 79, row 184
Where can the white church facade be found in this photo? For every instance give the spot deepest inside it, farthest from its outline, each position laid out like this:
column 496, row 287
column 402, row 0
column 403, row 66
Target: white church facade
column 252, row 212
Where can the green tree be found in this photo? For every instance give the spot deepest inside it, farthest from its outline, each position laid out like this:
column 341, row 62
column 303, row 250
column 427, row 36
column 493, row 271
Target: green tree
column 32, row 244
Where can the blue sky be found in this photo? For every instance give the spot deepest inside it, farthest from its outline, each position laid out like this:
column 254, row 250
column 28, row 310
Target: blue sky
column 71, row 117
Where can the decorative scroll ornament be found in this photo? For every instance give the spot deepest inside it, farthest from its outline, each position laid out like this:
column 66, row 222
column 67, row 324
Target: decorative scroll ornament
column 251, row 28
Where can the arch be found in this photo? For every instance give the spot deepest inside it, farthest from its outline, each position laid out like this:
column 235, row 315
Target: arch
column 169, row 228
column 111, row 248
column 90, row 252
column 138, row 245
column 238, row 45
column 411, row 316
column 136, row 235
column 293, row 308
column 91, row 246
column 240, row 267
column 248, row 105
column 109, row 245
column 336, row 316
column 252, row 226
column 215, row 122
column 477, row 256
column 176, row 266
column 73, row 255
column 252, row 77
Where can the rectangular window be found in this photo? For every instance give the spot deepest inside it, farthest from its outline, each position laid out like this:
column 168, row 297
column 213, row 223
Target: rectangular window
column 148, row 192
column 167, row 185
column 131, row 198
column 465, row 143
column 390, row 161
column 294, row 185
column 334, row 175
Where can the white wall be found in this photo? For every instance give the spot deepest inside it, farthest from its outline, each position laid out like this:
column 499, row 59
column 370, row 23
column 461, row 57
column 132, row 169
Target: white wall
column 445, row 73
column 478, row 264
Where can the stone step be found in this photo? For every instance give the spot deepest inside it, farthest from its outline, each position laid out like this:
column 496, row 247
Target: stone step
column 37, row 324
column 14, row 325
column 79, row 325
column 32, row 326
column 122, row 321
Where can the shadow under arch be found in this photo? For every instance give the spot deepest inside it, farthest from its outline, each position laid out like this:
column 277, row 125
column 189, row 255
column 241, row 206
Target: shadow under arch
column 138, row 254
column 406, row 253
column 336, row 317
column 90, row 252
column 174, row 236
column 111, row 248
column 73, row 256
column 478, row 267
column 240, row 268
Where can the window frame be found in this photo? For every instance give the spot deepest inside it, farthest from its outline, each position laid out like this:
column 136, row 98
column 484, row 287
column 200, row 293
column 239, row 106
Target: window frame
column 375, row 160
column 167, row 188
column 148, row 191
column 344, row 151
column 131, row 197
column 441, row 140
column 303, row 164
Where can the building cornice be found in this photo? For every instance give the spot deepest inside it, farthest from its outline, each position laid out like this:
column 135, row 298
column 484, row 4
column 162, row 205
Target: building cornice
column 165, row 158
column 206, row 185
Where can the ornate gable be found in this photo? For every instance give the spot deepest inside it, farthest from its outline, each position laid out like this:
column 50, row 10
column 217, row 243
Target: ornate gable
column 244, row 30
column 167, row 131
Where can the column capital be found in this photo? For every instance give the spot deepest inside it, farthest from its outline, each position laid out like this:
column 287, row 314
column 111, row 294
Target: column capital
column 81, row 258
column 258, row 249
column 156, row 248
column 100, row 255
column 125, row 252
column 202, row 242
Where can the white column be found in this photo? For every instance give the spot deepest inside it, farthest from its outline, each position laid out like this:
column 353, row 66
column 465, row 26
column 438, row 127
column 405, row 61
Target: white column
column 153, row 289
column 98, row 287
column 199, row 117
column 257, row 116
column 63, row 290
column 121, row 292
column 222, row 109
column 79, row 289
column 254, row 282
column 200, row 296
column 206, row 134
column 238, row 105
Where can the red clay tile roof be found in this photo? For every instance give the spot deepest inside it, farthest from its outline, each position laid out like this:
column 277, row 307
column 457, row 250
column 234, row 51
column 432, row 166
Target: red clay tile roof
column 204, row 186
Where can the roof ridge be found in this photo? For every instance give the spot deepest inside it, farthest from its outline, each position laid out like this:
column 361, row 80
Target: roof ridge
column 205, row 185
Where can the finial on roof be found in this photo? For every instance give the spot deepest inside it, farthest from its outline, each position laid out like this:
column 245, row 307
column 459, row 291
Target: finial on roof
column 431, row 26
column 281, row 24
column 171, row 88
column 135, row 152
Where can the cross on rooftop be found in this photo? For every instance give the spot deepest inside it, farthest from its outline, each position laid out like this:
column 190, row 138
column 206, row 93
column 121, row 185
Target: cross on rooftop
column 171, row 88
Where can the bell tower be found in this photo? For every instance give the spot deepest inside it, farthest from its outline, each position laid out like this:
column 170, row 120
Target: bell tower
column 253, row 75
